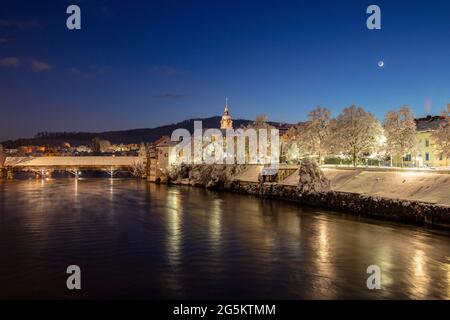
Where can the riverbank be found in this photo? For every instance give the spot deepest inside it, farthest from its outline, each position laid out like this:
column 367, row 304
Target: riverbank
column 358, row 192
column 430, row 187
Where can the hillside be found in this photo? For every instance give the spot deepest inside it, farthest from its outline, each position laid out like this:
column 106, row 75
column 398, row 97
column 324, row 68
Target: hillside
column 117, row 137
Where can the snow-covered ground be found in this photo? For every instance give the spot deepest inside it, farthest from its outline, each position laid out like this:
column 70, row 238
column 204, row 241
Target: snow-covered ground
column 386, row 168
column 419, row 185
column 410, row 185
column 251, row 174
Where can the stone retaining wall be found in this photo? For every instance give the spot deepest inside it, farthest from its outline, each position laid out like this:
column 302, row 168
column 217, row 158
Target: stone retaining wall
column 411, row 212
column 221, row 178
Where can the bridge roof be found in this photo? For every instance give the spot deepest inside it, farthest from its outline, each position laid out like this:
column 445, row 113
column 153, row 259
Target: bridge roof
column 94, row 161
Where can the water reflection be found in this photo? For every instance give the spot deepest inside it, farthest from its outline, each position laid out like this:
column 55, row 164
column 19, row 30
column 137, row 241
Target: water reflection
column 174, row 228
column 418, row 268
column 323, row 263
column 148, row 241
column 75, row 188
column 215, row 216
column 446, row 268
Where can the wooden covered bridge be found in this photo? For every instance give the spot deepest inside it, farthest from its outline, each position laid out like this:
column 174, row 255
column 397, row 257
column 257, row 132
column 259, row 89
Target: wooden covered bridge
column 45, row 165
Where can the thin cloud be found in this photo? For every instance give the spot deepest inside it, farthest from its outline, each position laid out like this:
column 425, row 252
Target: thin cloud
column 167, row 70
column 19, row 24
column 10, row 62
column 91, row 72
column 39, row 66
column 4, row 40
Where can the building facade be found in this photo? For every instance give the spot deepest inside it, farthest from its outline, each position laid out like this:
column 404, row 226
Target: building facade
column 426, row 153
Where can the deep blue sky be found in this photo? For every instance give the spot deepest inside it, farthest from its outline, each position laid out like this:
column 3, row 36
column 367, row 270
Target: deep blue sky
column 141, row 64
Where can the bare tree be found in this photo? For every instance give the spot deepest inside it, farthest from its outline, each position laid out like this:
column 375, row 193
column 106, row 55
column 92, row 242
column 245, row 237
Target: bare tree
column 316, row 133
column 293, row 146
column 400, row 132
column 105, row 145
column 138, row 169
column 260, row 125
column 95, row 145
column 142, row 165
column 261, row 120
column 356, row 132
column 441, row 136
column 98, row 145
column 142, row 153
column 2, row 156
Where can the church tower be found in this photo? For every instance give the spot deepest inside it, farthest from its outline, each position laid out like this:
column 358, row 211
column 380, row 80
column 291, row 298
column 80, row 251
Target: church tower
column 226, row 122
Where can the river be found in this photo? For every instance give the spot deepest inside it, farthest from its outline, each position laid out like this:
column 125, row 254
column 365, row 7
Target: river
column 133, row 239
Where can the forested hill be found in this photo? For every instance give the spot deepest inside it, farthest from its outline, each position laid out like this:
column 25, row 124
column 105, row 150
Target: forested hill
column 117, row 137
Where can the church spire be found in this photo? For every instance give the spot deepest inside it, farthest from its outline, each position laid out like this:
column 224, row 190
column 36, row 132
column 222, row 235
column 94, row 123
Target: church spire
column 226, row 122
column 226, row 106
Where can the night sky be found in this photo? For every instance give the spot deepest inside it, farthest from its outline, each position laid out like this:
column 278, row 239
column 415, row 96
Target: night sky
column 140, row 64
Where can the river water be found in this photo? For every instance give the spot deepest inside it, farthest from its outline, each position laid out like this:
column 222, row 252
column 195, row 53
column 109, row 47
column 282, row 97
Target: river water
column 132, row 239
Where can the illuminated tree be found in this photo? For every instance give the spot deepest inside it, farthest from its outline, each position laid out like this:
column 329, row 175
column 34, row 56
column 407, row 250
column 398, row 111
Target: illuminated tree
column 316, row 133
column 138, row 168
column 293, row 145
column 143, row 150
column 355, row 133
column 400, row 132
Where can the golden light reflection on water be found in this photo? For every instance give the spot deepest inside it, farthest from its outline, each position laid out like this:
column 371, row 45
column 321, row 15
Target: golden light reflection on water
column 418, row 271
column 174, row 213
column 386, row 264
column 215, row 217
column 419, row 263
column 111, row 189
column 322, row 283
column 261, row 246
column 75, row 188
column 447, row 268
column 418, row 268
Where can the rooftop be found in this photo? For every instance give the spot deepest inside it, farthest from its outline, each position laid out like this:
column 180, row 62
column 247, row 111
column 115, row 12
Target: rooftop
column 429, row 123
